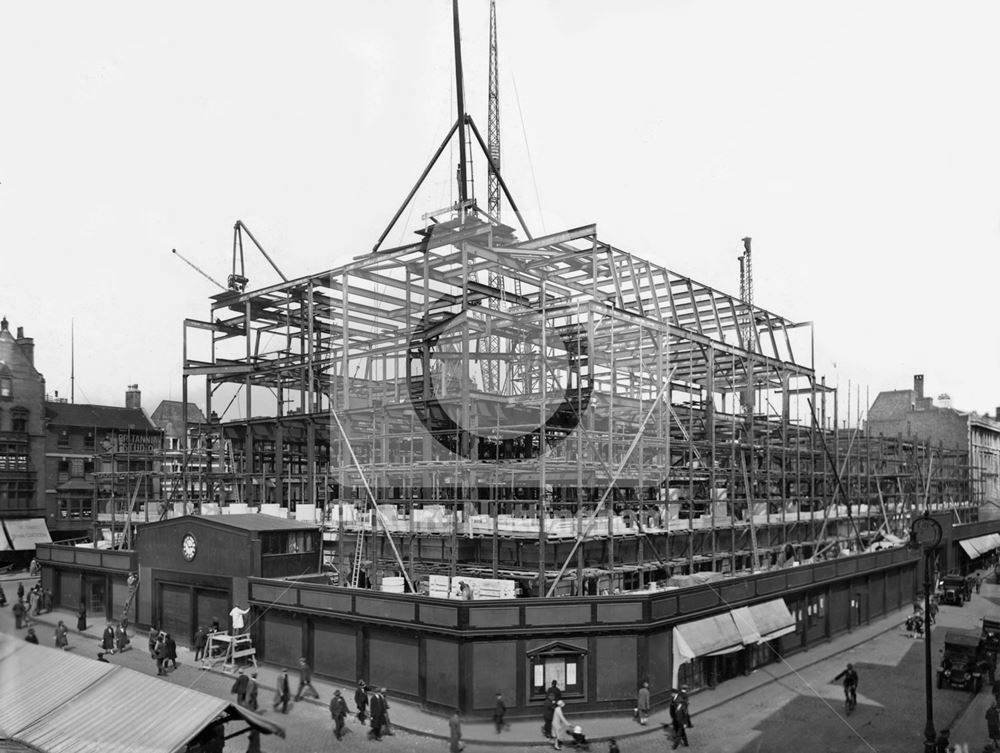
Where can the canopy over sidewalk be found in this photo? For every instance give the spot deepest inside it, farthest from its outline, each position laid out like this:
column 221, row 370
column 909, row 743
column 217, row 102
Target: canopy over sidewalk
column 57, row 702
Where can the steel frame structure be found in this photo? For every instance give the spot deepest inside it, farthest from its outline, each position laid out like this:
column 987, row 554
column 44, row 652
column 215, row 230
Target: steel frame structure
column 641, row 395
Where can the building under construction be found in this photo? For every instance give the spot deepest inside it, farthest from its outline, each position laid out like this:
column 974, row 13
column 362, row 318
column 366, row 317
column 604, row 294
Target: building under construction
column 546, row 416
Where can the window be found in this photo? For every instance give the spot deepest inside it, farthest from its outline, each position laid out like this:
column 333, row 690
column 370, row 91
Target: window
column 6, row 387
column 62, row 441
column 88, row 441
column 560, row 663
column 75, row 509
column 76, row 467
column 19, row 419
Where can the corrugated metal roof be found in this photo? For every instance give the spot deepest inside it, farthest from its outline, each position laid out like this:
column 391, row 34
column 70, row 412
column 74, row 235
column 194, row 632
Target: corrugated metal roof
column 125, row 712
column 61, row 703
column 35, row 681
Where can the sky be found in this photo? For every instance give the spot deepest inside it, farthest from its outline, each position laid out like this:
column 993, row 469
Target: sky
column 858, row 143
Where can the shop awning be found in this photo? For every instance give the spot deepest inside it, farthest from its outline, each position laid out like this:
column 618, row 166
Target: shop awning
column 97, row 708
column 773, row 619
column 970, row 548
column 711, row 635
column 977, row 546
column 4, row 544
column 25, row 533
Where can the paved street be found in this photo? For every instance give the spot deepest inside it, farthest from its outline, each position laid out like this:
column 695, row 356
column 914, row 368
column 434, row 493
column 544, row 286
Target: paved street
column 786, row 707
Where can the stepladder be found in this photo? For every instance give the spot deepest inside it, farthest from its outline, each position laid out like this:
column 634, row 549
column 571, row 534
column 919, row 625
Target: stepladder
column 230, row 651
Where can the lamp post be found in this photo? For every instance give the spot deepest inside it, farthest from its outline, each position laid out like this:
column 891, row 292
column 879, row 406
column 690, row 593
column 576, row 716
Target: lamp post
column 925, row 534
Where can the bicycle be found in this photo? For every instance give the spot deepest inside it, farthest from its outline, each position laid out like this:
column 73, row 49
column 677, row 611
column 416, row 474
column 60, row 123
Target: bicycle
column 850, row 699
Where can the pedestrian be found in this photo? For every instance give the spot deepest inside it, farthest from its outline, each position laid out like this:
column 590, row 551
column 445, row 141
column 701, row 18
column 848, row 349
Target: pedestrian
column 160, row 654
column 979, row 582
column 47, row 596
column 30, row 604
column 678, row 720
column 361, row 700
column 154, row 634
column 200, row 639
column 642, row 704
column 108, row 638
column 499, row 709
column 377, row 709
column 993, row 724
column 943, row 742
column 464, row 591
column 554, row 690
column 251, row 694
column 253, row 740
column 121, row 637
column 171, row 650
column 283, row 693
column 455, row 742
column 239, row 688
column 18, row 610
column 38, row 593
column 30, row 637
column 81, row 616
column 237, row 614
column 386, row 721
column 305, row 680
column 685, row 705
column 547, row 713
column 559, row 725
column 3, row 597
column 100, row 657
column 338, row 712
column 20, row 592
column 61, row 632
column 613, row 746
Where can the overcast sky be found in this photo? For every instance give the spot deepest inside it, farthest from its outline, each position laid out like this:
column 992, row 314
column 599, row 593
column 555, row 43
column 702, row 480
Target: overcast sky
column 858, row 143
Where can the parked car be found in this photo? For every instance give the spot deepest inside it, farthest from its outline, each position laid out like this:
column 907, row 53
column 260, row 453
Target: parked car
column 952, row 590
column 964, row 663
column 991, row 634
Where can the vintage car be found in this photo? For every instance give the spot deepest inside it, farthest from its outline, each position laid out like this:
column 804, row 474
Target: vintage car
column 991, row 634
column 952, row 590
column 964, row 664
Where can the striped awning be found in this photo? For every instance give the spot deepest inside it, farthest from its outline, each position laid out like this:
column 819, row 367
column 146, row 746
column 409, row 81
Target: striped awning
column 95, row 707
column 977, row 546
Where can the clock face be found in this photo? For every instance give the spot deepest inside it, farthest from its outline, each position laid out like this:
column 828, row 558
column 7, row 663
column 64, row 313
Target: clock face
column 189, row 547
column 927, row 532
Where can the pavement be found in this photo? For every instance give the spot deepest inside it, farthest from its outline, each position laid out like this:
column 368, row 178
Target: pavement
column 410, row 720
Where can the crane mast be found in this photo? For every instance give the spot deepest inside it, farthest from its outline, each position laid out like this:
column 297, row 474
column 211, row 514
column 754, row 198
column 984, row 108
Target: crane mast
column 493, row 117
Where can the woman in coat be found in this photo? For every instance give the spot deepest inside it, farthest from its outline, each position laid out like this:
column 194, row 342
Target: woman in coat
column 81, row 616
column 61, row 640
column 559, row 724
column 171, row 649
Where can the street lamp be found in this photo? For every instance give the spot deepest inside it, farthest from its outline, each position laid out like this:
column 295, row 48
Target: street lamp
column 925, row 534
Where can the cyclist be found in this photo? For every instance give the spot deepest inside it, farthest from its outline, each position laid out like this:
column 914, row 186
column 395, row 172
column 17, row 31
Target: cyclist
column 850, row 685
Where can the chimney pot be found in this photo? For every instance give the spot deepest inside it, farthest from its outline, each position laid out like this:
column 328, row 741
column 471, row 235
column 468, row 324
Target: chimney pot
column 20, row 332
column 918, row 386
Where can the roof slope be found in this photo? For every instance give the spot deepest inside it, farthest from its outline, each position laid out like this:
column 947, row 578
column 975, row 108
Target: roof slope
column 97, row 416
column 250, row 521
column 96, row 707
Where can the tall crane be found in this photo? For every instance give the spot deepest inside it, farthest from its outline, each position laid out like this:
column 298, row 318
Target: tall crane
column 493, row 118
column 746, row 294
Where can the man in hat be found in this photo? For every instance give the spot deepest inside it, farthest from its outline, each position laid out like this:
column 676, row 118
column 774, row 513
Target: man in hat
column 499, row 710
column 338, row 712
column 239, row 688
column 678, row 719
column 361, row 700
column 305, row 680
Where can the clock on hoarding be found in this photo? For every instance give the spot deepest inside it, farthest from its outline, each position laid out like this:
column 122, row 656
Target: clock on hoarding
column 189, row 547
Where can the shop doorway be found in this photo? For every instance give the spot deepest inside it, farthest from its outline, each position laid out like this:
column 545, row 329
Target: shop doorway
column 175, row 610
column 94, row 594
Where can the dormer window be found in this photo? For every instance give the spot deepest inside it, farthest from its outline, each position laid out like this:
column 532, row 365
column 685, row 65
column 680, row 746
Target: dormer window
column 6, row 382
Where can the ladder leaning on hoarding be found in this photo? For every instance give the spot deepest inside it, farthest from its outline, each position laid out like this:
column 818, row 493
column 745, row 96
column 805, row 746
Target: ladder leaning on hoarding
column 359, row 547
column 133, row 585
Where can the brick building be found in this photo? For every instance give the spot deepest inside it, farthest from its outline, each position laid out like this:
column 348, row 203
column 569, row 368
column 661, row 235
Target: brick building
column 100, row 462
column 908, row 413
column 22, row 445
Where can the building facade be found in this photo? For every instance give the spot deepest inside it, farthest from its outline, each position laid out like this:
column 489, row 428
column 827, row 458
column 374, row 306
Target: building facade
column 915, row 417
column 102, row 467
column 22, row 445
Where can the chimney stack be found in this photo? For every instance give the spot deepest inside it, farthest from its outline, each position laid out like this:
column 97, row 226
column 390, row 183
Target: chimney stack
column 918, row 386
column 27, row 345
column 998, row 413
column 133, row 398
